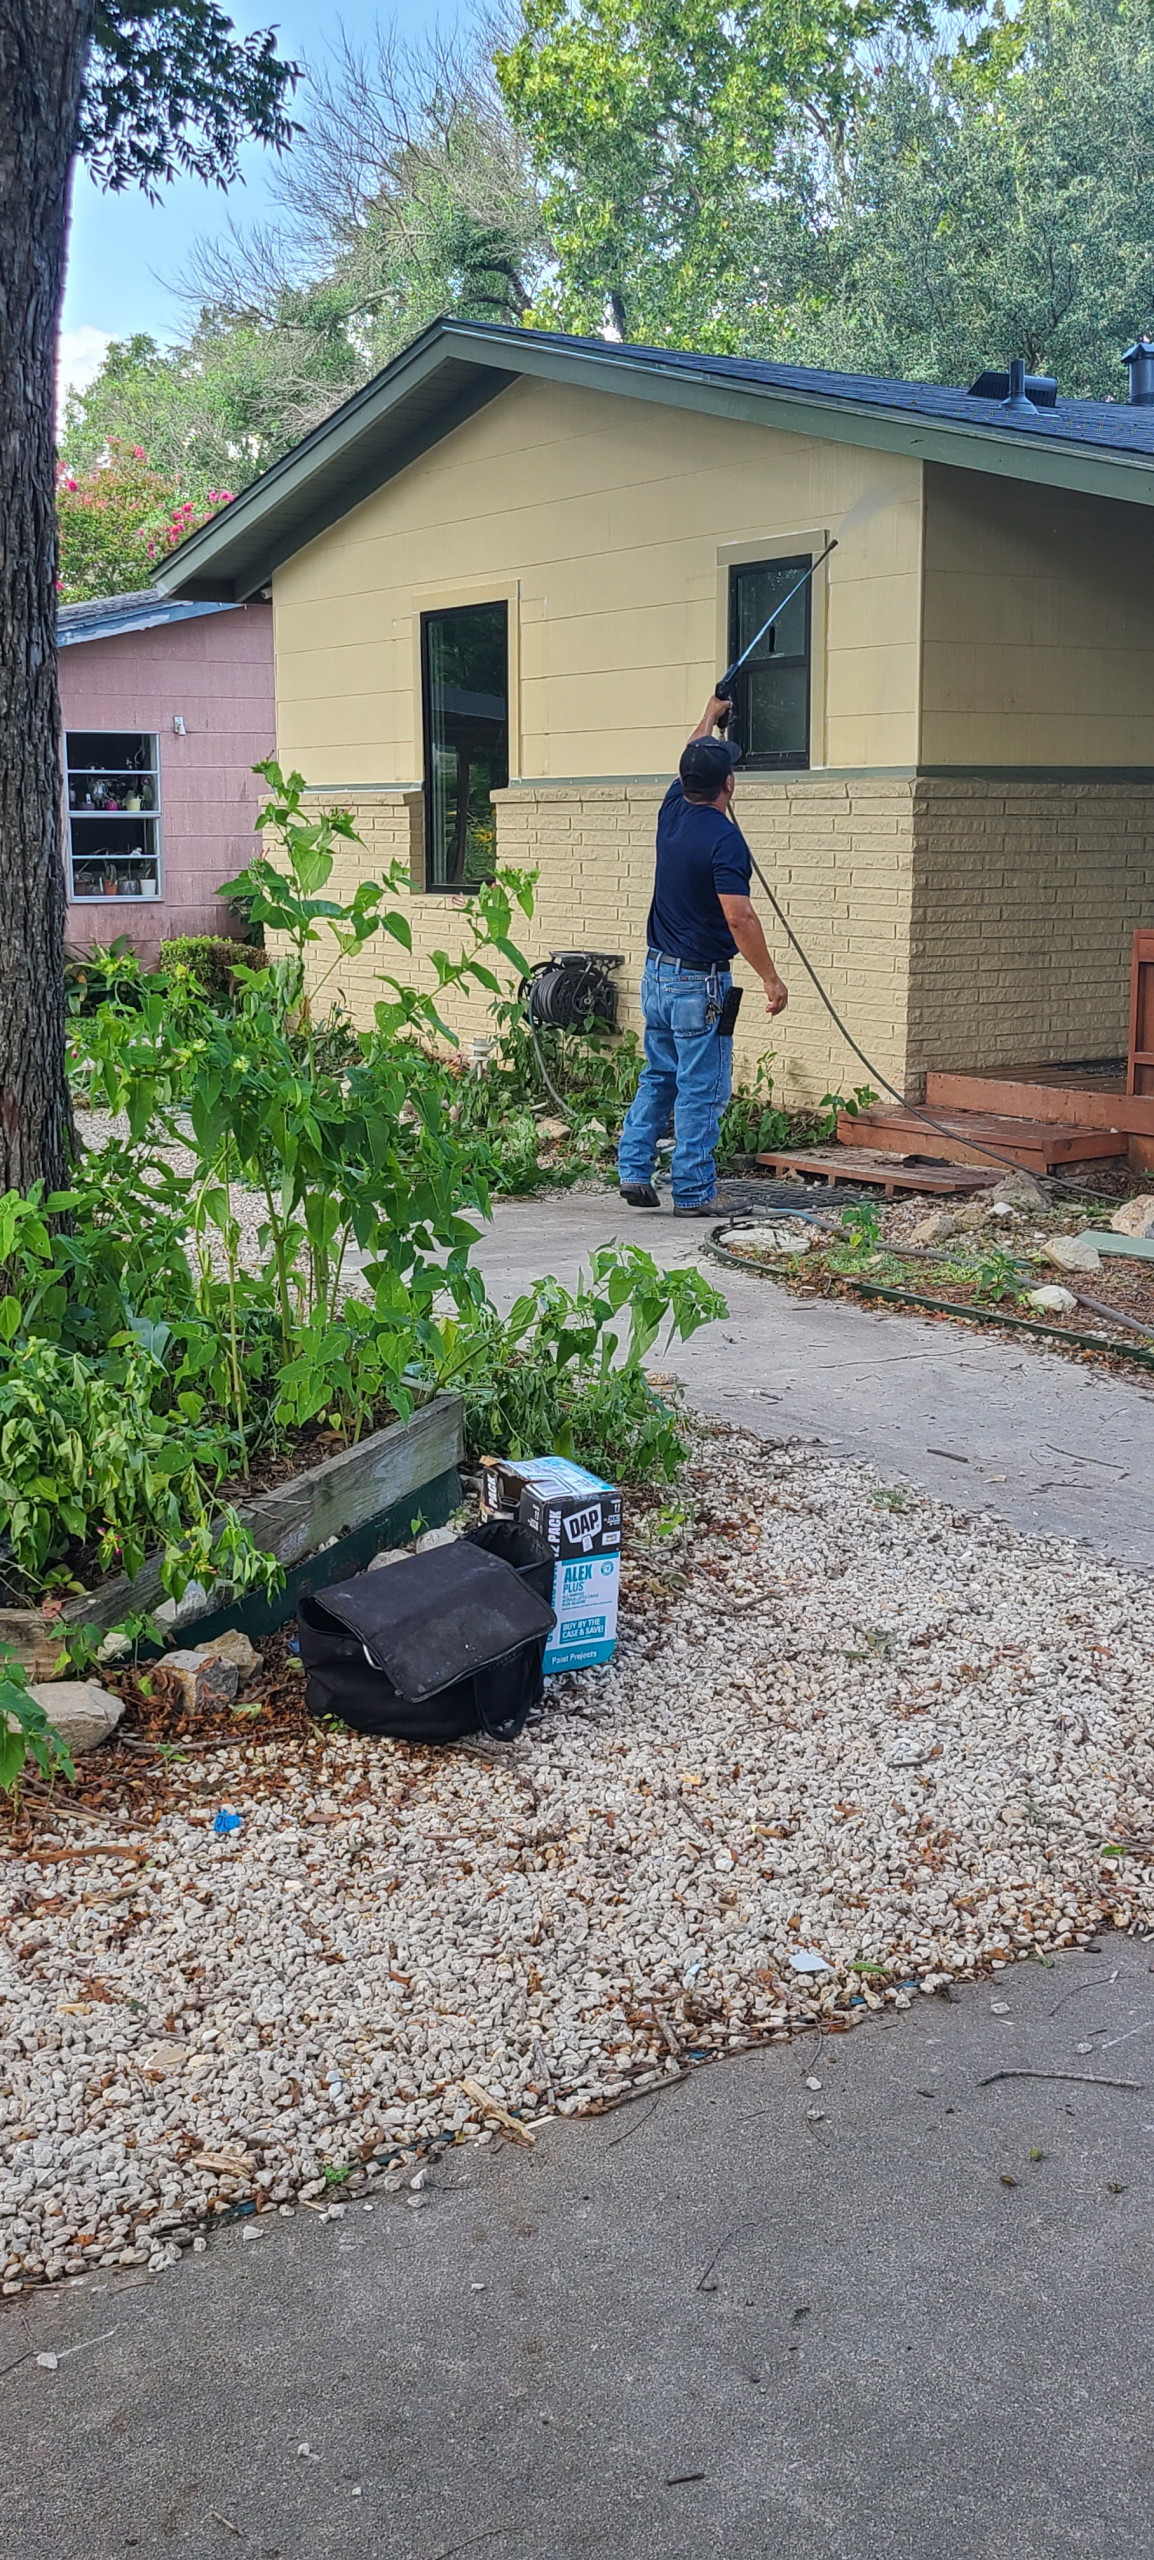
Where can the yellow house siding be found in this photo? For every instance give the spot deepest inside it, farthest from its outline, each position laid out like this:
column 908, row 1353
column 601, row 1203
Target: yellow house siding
column 611, row 515
column 1025, row 895
column 966, row 622
column 1039, row 626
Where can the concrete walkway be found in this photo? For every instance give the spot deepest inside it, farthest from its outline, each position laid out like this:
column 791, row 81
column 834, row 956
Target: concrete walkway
column 900, row 2315
column 987, row 1423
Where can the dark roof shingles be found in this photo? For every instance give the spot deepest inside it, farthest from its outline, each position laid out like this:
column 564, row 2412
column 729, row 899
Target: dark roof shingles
column 1113, row 425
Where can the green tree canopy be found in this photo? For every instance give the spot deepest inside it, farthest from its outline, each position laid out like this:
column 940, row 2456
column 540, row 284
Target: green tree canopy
column 989, row 201
column 168, row 85
column 657, row 128
column 407, row 194
column 816, row 182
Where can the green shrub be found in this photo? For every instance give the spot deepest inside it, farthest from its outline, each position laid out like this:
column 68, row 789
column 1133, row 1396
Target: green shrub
column 555, row 1373
column 211, row 960
column 106, row 973
column 90, row 1473
column 145, row 1364
column 595, row 1072
column 754, row 1124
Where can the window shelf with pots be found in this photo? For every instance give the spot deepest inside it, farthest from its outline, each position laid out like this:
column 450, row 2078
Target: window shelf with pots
column 113, row 794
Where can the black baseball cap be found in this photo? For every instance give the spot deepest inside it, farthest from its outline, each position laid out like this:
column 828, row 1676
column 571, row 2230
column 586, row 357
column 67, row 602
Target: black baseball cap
column 706, row 761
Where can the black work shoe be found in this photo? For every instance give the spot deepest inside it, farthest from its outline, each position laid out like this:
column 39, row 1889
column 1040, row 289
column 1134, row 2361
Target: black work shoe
column 714, row 1208
column 640, row 1195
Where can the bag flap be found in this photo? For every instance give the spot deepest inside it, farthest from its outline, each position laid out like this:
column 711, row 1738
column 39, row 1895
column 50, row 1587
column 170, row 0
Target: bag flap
column 436, row 1618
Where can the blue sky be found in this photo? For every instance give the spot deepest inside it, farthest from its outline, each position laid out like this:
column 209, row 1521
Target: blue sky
column 124, row 253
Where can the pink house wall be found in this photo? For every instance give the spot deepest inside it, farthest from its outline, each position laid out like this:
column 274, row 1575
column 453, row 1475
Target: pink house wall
column 215, row 673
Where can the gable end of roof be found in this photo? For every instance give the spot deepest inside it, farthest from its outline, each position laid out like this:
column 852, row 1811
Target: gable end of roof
column 456, row 367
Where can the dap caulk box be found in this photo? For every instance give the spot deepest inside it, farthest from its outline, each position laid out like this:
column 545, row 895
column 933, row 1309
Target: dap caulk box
column 579, row 1516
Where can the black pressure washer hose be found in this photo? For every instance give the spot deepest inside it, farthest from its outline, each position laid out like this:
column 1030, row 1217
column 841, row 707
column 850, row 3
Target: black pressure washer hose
column 995, row 1154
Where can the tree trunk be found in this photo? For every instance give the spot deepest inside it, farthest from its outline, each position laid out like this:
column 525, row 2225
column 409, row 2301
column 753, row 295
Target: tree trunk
column 43, row 49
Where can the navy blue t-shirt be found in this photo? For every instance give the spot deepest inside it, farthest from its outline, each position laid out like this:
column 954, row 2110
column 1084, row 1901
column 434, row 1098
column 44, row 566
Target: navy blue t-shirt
column 699, row 852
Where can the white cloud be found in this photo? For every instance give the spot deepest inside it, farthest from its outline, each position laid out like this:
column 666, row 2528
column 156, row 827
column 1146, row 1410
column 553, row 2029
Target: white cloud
column 79, row 357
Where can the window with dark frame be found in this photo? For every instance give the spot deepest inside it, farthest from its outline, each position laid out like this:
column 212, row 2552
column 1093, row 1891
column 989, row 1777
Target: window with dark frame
column 465, row 704
column 113, row 787
column 771, row 695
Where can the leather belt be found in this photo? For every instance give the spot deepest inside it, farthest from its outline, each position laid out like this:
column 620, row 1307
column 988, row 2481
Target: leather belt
column 696, row 968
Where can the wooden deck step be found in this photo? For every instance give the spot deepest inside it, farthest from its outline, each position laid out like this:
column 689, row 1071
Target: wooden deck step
column 1085, row 1099
column 978, row 1138
column 888, row 1173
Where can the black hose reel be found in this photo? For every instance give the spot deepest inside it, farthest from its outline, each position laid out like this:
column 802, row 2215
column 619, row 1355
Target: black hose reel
column 572, row 991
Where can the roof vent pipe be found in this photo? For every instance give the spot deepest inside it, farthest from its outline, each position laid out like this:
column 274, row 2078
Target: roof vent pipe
column 1140, row 359
column 1018, row 406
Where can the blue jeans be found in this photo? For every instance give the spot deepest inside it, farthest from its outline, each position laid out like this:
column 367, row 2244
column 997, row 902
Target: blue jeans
column 688, row 1072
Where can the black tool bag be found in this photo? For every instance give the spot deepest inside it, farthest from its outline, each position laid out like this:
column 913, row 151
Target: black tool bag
column 437, row 1645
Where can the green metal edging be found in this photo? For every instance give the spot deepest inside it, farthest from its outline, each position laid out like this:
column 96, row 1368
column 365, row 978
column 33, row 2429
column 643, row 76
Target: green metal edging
column 940, row 1306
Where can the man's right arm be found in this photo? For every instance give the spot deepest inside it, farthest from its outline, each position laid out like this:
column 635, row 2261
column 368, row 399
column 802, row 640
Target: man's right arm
column 714, row 716
column 745, row 925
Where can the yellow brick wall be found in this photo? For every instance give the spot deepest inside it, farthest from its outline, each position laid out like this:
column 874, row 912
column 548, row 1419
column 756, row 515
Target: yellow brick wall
column 390, row 826
column 1025, row 896
column 839, row 856
column 965, row 924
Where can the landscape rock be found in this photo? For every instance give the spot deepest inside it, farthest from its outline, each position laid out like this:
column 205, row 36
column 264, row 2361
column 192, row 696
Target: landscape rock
column 788, row 1237
column 1135, row 1217
column 933, row 1229
column 115, row 1647
column 431, row 1538
column 206, row 1681
column 1053, row 1300
column 1074, row 1253
column 1019, row 1190
column 232, row 1646
column 387, row 1555
column 83, row 1713
column 196, row 1603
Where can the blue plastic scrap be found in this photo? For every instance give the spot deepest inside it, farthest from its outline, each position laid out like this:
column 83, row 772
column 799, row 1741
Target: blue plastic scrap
column 227, row 1820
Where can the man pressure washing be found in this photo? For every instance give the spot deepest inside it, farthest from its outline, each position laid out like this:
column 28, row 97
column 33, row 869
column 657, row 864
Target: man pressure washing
column 701, row 915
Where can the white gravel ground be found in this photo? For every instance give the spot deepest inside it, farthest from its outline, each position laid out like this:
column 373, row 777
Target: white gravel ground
column 841, row 1719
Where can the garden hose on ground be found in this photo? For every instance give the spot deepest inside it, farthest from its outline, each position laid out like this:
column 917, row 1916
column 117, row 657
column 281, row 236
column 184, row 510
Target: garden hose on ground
column 547, row 1079
column 1142, row 1354
column 581, row 977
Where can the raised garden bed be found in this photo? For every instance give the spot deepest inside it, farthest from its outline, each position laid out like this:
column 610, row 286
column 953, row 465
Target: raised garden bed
column 320, row 1524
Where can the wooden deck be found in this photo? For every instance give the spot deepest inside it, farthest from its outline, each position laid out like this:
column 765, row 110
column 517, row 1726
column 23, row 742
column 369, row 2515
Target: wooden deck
column 1086, row 1097
column 888, row 1173
column 978, row 1137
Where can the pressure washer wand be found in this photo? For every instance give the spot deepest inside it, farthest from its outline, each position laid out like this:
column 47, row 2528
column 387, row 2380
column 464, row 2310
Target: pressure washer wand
column 724, row 686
